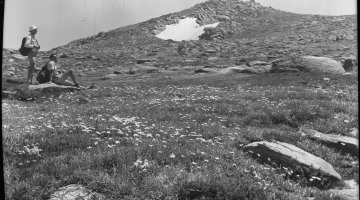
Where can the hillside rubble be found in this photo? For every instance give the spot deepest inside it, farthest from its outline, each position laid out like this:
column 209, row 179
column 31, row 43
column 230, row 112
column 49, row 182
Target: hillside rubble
column 247, row 31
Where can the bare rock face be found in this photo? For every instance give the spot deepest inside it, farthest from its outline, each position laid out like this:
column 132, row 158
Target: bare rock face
column 75, row 192
column 342, row 143
column 290, row 155
column 308, row 64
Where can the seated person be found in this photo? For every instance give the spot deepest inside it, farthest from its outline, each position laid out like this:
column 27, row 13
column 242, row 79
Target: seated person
column 60, row 78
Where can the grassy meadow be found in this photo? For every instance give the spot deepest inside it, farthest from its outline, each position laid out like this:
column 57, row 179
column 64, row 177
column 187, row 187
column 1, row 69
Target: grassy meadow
column 178, row 137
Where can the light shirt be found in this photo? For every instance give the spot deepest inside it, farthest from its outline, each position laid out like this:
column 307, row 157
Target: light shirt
column 31, row 41
column 52, row 66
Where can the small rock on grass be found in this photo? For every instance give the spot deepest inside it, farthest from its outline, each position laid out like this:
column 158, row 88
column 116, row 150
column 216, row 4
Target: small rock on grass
column 75, row 192
column 342, row 143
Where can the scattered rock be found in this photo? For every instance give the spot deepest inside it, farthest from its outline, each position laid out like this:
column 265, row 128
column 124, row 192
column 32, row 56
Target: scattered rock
column 45, row 86
column 12, row 69
column 205, row 70
column 141, row 61
column 210, row 50
column 234, row 69
column 95, row 58
column 257, row 62
column 290, row 155
column 8, row 94
column 354, row 132
column 63, row 55
column 146, row 69
column 342, row 143
column 18, row 56
column 81, row 74
column 9, row 73
column 15, row 81
column 75, row 192
column 108, row 77
column 308, row 64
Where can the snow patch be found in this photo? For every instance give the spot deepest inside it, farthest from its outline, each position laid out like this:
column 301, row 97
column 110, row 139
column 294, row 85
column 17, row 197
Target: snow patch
column 186, row 29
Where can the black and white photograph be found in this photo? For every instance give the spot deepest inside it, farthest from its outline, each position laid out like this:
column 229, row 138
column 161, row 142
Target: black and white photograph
column 180, row 100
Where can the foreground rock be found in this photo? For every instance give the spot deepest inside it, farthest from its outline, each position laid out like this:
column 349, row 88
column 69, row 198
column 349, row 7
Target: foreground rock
column 308, row 64
column 350, row 191
column 342, row 143
column 50, row 86
column 75, row 192
column 290, row 155
column 28, row 92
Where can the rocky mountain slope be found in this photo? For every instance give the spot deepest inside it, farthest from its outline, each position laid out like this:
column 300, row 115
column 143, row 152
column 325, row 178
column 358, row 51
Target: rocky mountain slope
column 247, row 31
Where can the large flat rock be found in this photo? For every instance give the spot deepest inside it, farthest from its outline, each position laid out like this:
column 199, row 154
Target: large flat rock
column 342, row 143
column 290, row 155
column 308, row 64
column 50, row 85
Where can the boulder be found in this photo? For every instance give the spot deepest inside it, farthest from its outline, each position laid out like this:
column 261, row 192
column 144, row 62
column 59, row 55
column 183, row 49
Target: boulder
column 289, row 155
column 74, row 191
column 18, row 56
column 48, row 86
column 256, row 62
column 108, row 77
column 342, row 143
column 205, row 70
column 308, row 64
column 256, row 69
column 63, row 55
column 140, row 61
column 233, row 70
column 145, row 69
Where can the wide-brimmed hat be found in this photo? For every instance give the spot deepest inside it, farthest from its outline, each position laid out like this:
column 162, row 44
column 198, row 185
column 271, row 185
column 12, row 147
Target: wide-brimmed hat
column 31, row 28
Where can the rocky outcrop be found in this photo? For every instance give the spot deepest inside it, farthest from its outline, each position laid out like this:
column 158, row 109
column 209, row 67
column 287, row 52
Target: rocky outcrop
column 290, row 155
column 308, row 64
column 214, row 33
column 341, row 143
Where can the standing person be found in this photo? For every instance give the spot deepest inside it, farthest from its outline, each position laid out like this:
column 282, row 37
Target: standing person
column 31, row 42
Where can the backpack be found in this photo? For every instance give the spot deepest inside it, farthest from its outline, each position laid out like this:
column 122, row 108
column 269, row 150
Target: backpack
column 24, row 50
column 43, row 75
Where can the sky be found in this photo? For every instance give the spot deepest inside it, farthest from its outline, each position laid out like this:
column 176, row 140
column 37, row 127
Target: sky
column 62, row 21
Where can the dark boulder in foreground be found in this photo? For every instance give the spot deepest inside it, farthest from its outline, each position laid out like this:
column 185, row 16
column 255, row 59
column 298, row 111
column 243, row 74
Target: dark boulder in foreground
column 308, row 64
column 289, row 155
column 342, row 143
